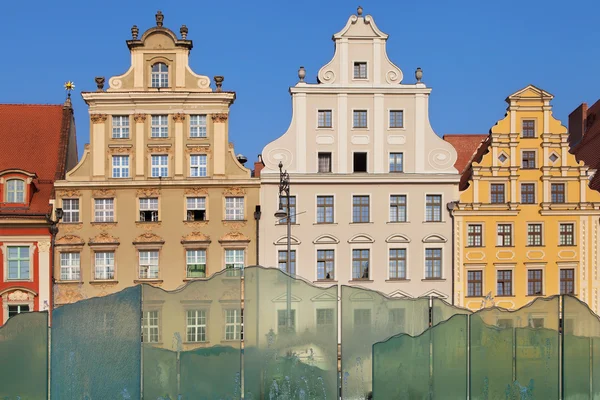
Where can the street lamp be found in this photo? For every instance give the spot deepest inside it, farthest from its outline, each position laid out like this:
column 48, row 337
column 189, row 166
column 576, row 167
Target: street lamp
column 284, row 188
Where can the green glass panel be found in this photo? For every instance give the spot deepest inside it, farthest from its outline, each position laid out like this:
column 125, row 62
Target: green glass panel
column 192, row 340
column 491, row 347
column 24, row 355
column 443, row 311
column 294, row 357
column 369, row 317
column 96, row 348
column 449, row 348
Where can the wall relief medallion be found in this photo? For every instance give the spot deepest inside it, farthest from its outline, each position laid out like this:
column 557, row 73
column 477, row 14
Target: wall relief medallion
column 234, row 237
column 234, row 191
column 139, row 118
column 195, row 224
column 68, row 193
column 220, row 117
column 148, row 226
column 120, row 150
column 195, row 237
column 43, row 247
column 70, row 239
column 179, row 117
column 103, row 237
column 159, row 149
column 196, row 191
column 148, row 237
column 67, row 294
column 235, row 225
column 148, row 192
column 98, row 118
column 70, row 228
column 440, row 159
column 198, row 149
column 104, row 225
column 18, row 295
column 104, row 193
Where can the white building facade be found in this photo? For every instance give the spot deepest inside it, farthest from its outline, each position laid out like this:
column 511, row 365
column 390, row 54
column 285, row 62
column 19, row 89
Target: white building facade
column 370, row 179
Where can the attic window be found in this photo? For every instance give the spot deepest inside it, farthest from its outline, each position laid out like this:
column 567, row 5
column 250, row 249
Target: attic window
column 360, row 70
column 160, row 75
column 15, row 191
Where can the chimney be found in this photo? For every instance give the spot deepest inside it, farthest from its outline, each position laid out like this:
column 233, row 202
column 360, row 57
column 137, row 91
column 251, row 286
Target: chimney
column 258, row 166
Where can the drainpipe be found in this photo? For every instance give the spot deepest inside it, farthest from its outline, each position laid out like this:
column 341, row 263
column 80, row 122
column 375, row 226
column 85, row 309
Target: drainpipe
column 451, row 207
column 257, row 214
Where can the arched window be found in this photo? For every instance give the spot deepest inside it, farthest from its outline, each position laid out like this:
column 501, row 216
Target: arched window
column 160, row 75
column 15, row 191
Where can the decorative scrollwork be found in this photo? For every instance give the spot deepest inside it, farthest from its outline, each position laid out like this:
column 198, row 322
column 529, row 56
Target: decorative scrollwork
column 148, row 192
column 106, row 193
column 116, row 83
column 275, row 156
column 327, row 77
column 220, row 117
column 204, row 82
column 139, row 118
column 148, row 237
column 68, row 193
column 103, row 237
column 98, row 118
column 234, row 191
column 179, row 117
column 440, row 159
column 195, row 237
column 392, row 77
column 196, row 191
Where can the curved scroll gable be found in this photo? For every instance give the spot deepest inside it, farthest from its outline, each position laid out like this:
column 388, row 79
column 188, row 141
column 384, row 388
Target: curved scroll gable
column 279, row 150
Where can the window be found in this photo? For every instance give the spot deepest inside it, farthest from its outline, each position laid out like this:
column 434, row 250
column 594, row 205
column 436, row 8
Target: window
column 150, row 327
column 198, row 126
column 396, row 119
column 534, row 234
column 360, row 162
column 234, row 208
column 284, row 206
column 360, row 209
column 198, row 165
column 120, row 126
column 18, row 262
column 504, row 323
column 567, row 235
column 360, row 70
column 397, row 263
column 15, row 191
column 324, row 162
column 69, row 266
column 528, row 160
column 196, row 208
column 196, row 326
column 504, row 235
column 196, row 263
column 160, row 166
column 534, row 282
column 474, row 236
column 474, row 284
column 324, row 209
column 149, row 209
column 557, row 191
column 70, row 210
column 360, row 264
column 234, row 261
column 233, row 324
column 149, row 264
column 433, row 263
column 160, row 126
column 362, row 318
column 398, row 208
column 359, row 119
column 528, row 193
column 396, row 162
column 120, row 166
column 497, row 193
column 104, row 210
column 567, row 281
column 528, row 128
column 104, row 265
column 160, row 75
column 324, row 118
column 504, row 286
column 282, row 261
column 325, row 265
column 325, row 323
column 433, row 208
column 282, row 320
column 17, row 309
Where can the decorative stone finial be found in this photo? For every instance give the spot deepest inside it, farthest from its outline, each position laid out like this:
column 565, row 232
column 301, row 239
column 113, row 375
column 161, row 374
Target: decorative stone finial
column 184, row 31
column 100, row 83
column 301, row 74
column 219, row 82
column 134, row 32
column 419, row 74
column 359, row 11
column 159, row 18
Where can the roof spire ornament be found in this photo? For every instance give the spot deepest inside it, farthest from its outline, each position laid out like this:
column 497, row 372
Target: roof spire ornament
column 159, row 18
column 134, row 32
column 69, row 86
column 359, row 11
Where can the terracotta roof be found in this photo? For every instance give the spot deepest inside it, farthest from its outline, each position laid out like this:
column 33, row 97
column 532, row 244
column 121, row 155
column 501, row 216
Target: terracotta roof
column 465, row 145
column 35, row 139
column 588, row 148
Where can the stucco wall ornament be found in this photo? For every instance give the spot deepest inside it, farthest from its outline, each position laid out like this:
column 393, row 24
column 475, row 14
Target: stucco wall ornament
column 139, row 118
column 148, row 237
column 68, row 193
column 179, row 117
column 234, row 191
column 196, row 191
column 148, row 192
column 195, row 237
column 120, row 150
column 440, row 159
column 104, row 193
column 220, row 117
column 159, row 149
column 275, row 156
column 70, row 239
column 103, row 237
column 234, row 237
column 198, row 149
column 70, row 228
column 18, row 295
column 98, row 118
column 43, row 247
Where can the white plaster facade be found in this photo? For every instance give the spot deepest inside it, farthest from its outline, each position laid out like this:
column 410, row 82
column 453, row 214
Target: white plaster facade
column 427, row 170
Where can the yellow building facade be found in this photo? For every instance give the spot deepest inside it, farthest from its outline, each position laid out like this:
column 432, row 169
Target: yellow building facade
column 526, row 224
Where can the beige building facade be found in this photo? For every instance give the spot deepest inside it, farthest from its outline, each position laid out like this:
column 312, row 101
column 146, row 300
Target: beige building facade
column 370, row 179
column 159, row 196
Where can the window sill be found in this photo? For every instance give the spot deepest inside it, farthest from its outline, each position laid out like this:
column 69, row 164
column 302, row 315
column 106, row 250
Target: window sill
column 474, row 247
column 159, row 178
column 433, row 280
column 8, row 280
column 196, row 343
column 434, row 222
column 360, row 128
column 71, row 223
column 361, row 223
column 104, row 282
column 284, row 224
column 360, row 280
column 70, row 282
column 567, row 245
column 325, row 223
column 120, row 138
column 159, row 137
column 475, row 297
column 103, row 223
column 125, row 178
column 398, row 280
column 198, row 137
column 147, row 281
column 325, row 128
column 396, row 128
column 234, row 220
column 505, row 295
column 148, row 222
column 194, row 279
column 200, row 220
column 398, row 222
column 325, row 281
column 535, row 295
column 505, row 247
column 535, row 245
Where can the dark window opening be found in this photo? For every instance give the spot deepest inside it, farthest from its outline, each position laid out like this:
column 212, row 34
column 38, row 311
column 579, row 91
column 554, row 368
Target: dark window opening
column 360, row 162
column 196, row 215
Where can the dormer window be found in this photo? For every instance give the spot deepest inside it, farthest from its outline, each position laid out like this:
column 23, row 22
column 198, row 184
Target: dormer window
column 15, row 191
column 160, row 75
column 360, row 70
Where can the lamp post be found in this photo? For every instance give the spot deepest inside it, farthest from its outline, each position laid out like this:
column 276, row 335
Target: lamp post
column 284, row 188
column 53, row 228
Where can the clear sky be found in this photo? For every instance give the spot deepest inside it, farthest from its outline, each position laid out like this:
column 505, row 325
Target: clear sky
column 473, row 53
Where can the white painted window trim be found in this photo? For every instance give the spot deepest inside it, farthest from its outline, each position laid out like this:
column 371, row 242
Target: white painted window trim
column 434, row 246
column 360, row 129
column 442, row 213
column 5, row 247
column 335, row 219
column 368, row 153
column 389, row 199
column 332, row 127
column 366, row 78
column 369, row 195
column 361, row 246
column 405, row 246
column 325, row 246
column 389, row 114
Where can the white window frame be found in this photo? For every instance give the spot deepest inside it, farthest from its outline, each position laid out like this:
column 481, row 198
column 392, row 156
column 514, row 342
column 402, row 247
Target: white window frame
column 151, row 326
column 317, row 208
column 233, row 324
column 149, row 204
column 394, row 110
column 396, row 153
column 15, row 194
column 148, row 264
column 198, row 165
column 120, row 126
column 198, row 126
column 196, row 326
column 160, row 78
column 19, row 259
column 193, row 203
column 104, row 210
column 441, row 220
column 106, row 267
column 366, row 77
column 233, row 261
column 159, row 126
column 234, row 208
column 398, row 220
column 366, row 111
column 325, row 247
column 70, row 266
column 432, row 248
column 324, row 110
column 70, row 213
column 195, row 257
column 120, row 167
column 159, row 164
column 405, row 249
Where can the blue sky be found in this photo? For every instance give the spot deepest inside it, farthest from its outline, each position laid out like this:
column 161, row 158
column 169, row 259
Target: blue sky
column 473, row 53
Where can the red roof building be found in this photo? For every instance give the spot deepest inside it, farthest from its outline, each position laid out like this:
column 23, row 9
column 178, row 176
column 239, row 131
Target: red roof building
column 38, row 146
column 465, row 145
column 584, row 138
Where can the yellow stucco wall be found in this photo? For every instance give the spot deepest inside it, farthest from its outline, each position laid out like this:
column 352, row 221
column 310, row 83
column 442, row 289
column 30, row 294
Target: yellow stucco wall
column 500, row 161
